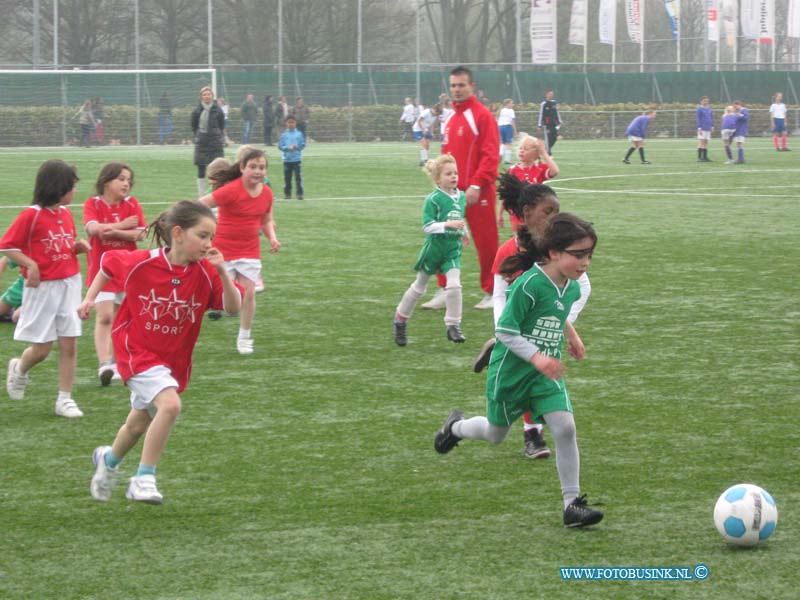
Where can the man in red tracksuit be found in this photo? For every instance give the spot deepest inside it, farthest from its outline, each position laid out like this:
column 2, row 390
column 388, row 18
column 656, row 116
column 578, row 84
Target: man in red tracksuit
column 471, row 136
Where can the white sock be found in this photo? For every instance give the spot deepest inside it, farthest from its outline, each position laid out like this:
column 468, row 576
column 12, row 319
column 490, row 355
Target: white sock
column 452, row 298
column 423, row 155
column 530, row 426
column 202, row 186
column 63, row 395
column 479, row 428
column 244, row 334
column 568, row 461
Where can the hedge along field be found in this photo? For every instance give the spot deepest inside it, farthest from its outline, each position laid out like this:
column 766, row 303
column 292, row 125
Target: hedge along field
column 48, row 126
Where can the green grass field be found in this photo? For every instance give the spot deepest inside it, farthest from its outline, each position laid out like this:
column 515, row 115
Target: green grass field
column 306, row 471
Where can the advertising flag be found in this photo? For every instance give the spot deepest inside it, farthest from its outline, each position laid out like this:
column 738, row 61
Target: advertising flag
column 543, row 32
column 632, row 17
column 577, row 23
column 674, row 12
column 712, row 14
column 608, row 21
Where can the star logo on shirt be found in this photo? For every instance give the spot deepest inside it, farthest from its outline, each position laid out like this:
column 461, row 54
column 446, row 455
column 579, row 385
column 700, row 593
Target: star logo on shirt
column 56, row 242
column 160, row 306
column 152, row 305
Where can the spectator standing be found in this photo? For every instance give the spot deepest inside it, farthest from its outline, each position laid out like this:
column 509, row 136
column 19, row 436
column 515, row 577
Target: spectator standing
column 268, row 109
column 302, row 114
column 407, row 119
column 281, row 112
column 705, row 125
column 87, row 122
column 549, row 120
column 291, row 144
column 225, row 113
column 471, row 136
column 165, row 126
column 249, row 116
column 208, row 127
column 98, row 112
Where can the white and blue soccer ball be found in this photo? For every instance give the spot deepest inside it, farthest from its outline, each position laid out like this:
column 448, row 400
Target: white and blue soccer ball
column 745, row 514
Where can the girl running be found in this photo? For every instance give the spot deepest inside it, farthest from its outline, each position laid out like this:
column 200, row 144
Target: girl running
column 245, row 208
column 443, row 222
column 526, row 372
column 43, row 242
column 113, row 220
column 167, row 290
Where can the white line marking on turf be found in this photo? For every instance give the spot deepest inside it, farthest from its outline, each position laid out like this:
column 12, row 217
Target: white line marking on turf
column 669, row 193
column 650, row 173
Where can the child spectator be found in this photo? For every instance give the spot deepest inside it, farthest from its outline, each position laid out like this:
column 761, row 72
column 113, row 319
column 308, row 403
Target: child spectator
column 245, row 208
column 705, row 125
column 507, row 125
column 443, row 222
column 777, row 117
column 423, row 130
column 740, row 134
column 167, row 290
column 43, row 242
column 291, row 143
column 113, row 220
column 636, row 132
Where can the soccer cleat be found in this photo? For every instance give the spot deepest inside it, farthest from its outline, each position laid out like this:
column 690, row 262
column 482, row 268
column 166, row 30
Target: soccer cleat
column 486, row 302
column 626, row 161
column 646, row 162
column 106, row 372
column 535, row 446
column 578, row 514
column 66, row 407
column 482, row 360
column 786, row 150
column 104, row 478
column 259, row 287
column 738, row 162
column 445, row 440
column 244, row 345
column 143, row 489
column 437, row 302
column 214, row 315
column 400, row 333
column 454, row 334
column 15, row 383
column 299, row 197
column 728, row 162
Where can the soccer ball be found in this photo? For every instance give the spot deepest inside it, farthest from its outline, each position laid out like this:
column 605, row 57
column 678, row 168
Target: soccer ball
column 745, row 514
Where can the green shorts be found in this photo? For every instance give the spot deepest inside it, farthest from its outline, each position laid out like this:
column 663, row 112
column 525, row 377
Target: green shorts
column 13, row 295
column 439, row 258
column 506, row 406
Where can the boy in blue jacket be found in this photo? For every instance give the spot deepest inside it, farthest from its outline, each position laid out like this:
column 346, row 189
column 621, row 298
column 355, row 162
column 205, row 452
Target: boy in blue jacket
column 636, row 133
column 291, row 143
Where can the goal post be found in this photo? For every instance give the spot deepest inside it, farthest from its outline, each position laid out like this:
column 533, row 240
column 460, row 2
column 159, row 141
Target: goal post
column 42, row 107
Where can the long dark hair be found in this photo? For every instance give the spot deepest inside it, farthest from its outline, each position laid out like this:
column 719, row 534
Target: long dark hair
column 516, row 194
column 110, row 172
column 563, row 230
column 185, row 214
column 529, row 253
column 54, row 180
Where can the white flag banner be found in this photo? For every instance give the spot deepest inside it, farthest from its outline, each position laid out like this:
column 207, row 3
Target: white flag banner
column 729, row 11
column 608, row 21
column 633, row 18
column 766, row 22
column 793, row 21
column 712, row 15
column 749, row 18
column 674, row 13
column 577, row 23
column 543, row 32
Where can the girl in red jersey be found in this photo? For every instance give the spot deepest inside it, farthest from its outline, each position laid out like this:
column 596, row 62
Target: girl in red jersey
column 167, row 291
column 531, row 205
column 113, row 220
column 43, row 242
column 535, row 166
column 245, row 208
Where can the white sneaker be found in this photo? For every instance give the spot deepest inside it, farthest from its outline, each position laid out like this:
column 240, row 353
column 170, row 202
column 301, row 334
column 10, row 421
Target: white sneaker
column 67, row 408
column 106, row 372
column 104, row 478
column 143, row 489
column 437, row 302
column 244, row 345
column 15, row 383
column 259, row 284
column 117, row 376
column 486, row 302
column 728, row 162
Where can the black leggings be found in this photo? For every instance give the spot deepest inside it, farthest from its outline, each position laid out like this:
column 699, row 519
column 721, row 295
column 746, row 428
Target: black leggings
column 201, row 171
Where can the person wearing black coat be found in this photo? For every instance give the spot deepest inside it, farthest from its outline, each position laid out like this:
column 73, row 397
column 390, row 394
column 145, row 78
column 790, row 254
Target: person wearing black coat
column 269, row 118
column 208, row 126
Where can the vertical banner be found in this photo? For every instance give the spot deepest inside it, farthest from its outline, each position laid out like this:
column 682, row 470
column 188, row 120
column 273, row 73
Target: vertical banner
column 577, row 23
column 608, row 21
column 766, row 22
column 793, row 20
column 712, row 16
column 749, row 18
column 543, row 32
column 632, row 17
column 674, row 12
column 729, row 11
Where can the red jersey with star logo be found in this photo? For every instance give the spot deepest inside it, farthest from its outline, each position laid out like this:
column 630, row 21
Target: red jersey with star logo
column 47, row 236
column 240, row 219
column 159, row 320
column 97, row 210
column 536, row 173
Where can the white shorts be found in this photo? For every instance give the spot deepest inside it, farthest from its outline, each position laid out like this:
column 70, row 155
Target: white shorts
column 117, row 297
column 739, row 139
column 727, row 134
column 635, row 138
column 247, row 267
column 703, row 135
column 147, row 385
column 50, row 311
